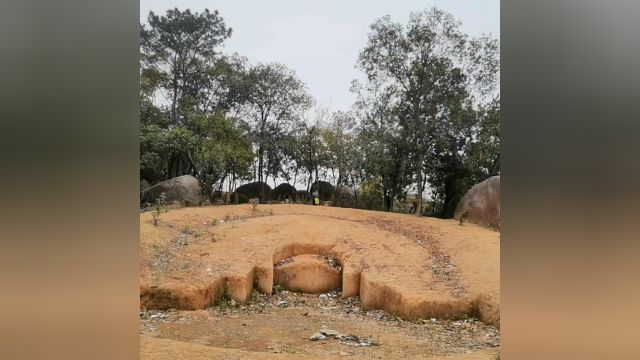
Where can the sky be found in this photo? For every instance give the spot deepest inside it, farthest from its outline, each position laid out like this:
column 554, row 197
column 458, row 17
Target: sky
column 320, row 40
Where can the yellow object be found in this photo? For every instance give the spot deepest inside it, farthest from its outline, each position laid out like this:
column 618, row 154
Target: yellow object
column 316, row 200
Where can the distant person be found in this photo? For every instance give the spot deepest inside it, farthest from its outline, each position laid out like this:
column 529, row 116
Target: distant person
column 316, row 198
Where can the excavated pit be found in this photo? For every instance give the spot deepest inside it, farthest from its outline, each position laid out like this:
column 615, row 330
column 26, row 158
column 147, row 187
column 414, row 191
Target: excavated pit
column 308, row 273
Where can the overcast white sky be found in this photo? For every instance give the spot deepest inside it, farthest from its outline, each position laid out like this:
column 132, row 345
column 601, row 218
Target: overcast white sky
column 320, row 40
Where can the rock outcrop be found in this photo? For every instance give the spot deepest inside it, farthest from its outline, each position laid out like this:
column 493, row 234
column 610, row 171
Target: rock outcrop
column 481, row 204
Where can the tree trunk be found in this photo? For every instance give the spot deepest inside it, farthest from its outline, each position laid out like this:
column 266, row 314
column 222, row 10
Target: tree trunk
column 419, row 212
column 260, row 154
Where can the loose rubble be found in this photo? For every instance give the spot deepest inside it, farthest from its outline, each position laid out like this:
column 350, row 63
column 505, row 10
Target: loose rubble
column 350, row 340
column 451, row 336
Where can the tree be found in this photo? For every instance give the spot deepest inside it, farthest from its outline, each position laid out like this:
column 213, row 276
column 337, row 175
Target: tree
column 159, row 148
column 180, row 50
column 339, row 139
column 312, row 149
column 432, row 68
column 273, row 97
column 383, row 165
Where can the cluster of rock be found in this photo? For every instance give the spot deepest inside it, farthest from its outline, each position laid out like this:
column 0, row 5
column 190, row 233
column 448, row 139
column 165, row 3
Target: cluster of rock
column 480, row 205
column 345, row 339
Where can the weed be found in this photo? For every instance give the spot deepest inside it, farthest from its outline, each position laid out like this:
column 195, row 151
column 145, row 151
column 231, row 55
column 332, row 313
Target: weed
column 189, row 230
column 183, row 240
column 463, row 218
column 159, row 207
column 214, row 222
column 290, row 349
column 223, row 301
column 255, row 295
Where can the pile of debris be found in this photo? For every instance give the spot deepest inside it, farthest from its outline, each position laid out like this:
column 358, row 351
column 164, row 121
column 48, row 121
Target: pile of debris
column 331, row 261
column 350, row 340
column 284, row 261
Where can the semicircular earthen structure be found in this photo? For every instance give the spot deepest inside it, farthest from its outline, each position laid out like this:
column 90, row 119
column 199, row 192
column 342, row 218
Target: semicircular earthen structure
column 415, row 268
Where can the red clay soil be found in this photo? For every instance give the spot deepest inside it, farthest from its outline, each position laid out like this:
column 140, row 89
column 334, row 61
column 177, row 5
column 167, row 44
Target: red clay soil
column 412, row 267
column 307, row 273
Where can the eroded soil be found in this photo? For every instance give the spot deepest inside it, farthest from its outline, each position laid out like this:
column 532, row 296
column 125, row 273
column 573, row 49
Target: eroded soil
column 418, row 287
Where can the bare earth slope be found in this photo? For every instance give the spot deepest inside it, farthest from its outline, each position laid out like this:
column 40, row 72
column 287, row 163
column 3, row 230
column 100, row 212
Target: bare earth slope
column 413, row 268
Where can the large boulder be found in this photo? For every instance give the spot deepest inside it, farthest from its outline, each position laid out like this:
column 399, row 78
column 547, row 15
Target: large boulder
column 144, row 185
column 344, row 196
column 302, row 196
column 281, row 191
column 481, row 204
column 184, row 189
column 324, row 188
column 254, row 190
column 238, row 198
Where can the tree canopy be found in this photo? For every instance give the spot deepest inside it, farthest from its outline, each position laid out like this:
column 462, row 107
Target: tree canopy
column 425, row 123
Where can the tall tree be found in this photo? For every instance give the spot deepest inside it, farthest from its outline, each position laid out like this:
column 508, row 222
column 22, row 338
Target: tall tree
column 432, row 67
column 273, row 99
column 180, row 48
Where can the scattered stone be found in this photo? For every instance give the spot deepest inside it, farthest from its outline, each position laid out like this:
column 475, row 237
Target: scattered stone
column 317, row 336
column 284, row 261
column 356, row 341
column 324, row 297
column 331, row 261
column 329, row 333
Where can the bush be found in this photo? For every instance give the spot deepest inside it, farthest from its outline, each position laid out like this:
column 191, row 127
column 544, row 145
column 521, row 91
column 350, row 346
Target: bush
column 159, row 207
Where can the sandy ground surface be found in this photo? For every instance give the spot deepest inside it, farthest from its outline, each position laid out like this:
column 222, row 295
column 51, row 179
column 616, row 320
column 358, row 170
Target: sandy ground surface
column 417, row 287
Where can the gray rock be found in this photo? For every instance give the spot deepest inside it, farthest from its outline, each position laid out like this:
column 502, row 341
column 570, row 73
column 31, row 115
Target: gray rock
column 329, row 333
column 317, row 336
column 481, row 204
column 184, row 190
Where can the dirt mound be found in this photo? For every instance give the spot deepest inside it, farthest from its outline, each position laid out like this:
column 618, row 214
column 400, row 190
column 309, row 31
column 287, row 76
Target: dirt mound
column 481, row 204
column 183, row 189
column 254, row 190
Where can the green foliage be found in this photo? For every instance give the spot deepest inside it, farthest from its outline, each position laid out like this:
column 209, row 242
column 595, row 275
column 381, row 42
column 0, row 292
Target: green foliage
column 426, row 118
column 159, row 208
column 273, row 98
column 423, row 80
column 255, row 295
column 463, row 218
